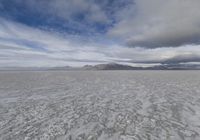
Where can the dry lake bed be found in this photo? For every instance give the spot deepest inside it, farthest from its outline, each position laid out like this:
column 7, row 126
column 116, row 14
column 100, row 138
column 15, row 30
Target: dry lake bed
column 100, row 105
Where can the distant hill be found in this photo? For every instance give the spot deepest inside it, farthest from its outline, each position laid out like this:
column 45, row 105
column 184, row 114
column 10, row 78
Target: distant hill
column 114, row 66
column 109, row 66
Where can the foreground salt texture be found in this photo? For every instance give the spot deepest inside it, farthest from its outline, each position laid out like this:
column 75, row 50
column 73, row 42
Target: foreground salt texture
column 100, row 105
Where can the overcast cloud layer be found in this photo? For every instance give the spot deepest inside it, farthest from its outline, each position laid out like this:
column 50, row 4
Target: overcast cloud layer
column 160, row 23
column 79, row 32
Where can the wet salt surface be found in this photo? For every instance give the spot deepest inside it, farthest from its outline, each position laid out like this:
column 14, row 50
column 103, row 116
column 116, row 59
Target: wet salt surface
column 100, row 105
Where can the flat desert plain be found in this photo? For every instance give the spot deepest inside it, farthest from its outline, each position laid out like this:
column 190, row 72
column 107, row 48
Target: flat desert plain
column 100, row 105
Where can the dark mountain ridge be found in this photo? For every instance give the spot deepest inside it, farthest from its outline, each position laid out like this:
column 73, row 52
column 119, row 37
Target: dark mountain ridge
column 109, row 66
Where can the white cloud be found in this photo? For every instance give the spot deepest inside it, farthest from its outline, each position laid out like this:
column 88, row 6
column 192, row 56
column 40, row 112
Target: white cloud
column 21, row 45
column 159, row 23
column 58, row 49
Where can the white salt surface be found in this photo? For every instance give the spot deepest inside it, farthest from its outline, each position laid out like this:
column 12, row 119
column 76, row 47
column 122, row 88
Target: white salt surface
column 100, row 105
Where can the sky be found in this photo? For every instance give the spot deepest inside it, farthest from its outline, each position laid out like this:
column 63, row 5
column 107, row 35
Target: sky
column 51, row 33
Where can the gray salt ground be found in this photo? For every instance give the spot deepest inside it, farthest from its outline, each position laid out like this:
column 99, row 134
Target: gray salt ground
column 100, row 105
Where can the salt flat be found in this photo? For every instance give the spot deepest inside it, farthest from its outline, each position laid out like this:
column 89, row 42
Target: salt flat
column 100, row 105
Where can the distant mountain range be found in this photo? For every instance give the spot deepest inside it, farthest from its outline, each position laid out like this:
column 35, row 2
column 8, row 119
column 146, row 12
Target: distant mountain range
column 109, row 66
column 114, row 66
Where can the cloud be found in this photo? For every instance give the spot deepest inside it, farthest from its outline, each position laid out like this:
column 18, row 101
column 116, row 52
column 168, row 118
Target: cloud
column 182, row 59
column 164, row 55
column 21, row 45
column 159, row 23
column 26, row 46
column 87, row 17
column 137, row 23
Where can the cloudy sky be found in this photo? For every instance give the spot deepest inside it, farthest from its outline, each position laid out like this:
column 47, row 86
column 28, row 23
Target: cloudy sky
column 37, row 33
